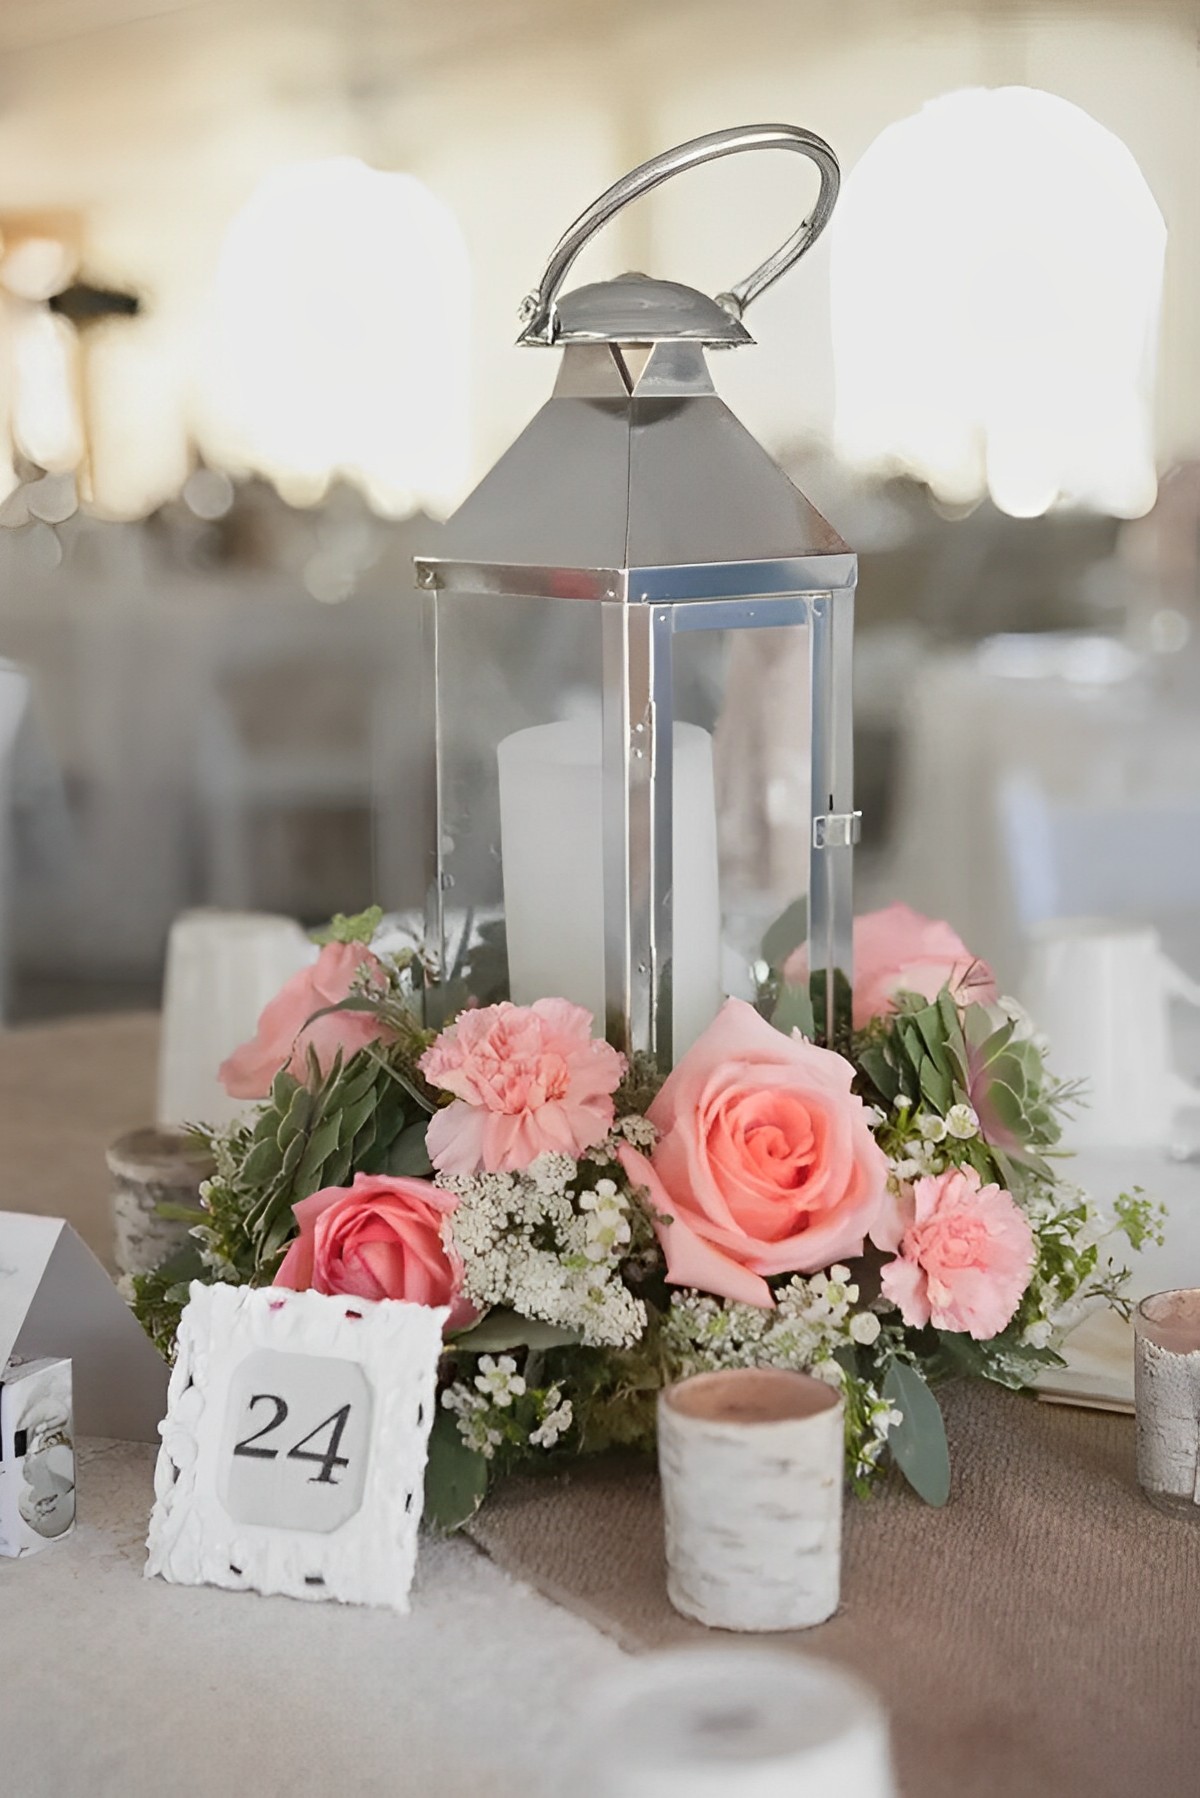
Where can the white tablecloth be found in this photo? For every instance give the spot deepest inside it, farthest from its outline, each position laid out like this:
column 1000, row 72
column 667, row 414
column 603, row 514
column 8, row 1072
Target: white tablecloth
column 114, row 1686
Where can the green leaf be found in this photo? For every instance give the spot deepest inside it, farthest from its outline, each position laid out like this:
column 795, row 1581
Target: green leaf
column 789, row 930
column 936, row 1087
column 262, row 1164
column 502, row 1329
column 794, row 1011
column 181, row 1214
column 360, row 928
column 456, row 1478
column 351, row 1118
column 879, row 1071
column 931, row 1024
column 408, row 1158
column 282, row 1088
column 918, row 1445
column 402, row 1080
column 297, row 1118
column 320, row 1146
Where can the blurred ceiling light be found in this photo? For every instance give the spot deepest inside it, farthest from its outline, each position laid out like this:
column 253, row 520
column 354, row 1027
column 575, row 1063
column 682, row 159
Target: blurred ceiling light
column 41, row 415
column 340, row 343
column 996, row 283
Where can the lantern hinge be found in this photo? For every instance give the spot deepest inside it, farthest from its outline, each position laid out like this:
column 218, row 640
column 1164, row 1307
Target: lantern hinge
column 837, row 830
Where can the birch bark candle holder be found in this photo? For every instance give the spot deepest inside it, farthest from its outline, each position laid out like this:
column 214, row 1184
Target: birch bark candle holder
column 152, row 1168
column 1167, row 1394
column 752, row 1471
column 729, row 1723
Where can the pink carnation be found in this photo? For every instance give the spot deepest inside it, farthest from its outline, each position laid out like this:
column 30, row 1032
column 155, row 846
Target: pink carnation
column 966, row 1256
column 527, row 1080
column 897, row 950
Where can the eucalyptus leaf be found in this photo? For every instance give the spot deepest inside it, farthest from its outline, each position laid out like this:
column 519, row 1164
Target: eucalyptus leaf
column 793, row 1011
column 456, row 1478
column 408, row 1156
column 918, row 1444
column 502, row 1329
column 786, row 934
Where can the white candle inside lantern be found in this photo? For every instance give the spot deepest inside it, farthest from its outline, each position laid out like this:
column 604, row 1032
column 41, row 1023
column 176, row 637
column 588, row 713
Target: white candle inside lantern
column 551, row 828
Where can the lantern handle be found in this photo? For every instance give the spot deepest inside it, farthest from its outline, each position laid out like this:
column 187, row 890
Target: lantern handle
column 538, row 309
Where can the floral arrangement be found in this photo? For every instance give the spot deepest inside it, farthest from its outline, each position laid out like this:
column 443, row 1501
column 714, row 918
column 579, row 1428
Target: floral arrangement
column 883, row 1219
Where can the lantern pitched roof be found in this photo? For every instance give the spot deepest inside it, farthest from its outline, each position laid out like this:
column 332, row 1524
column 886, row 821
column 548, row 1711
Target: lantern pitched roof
column 634, row 462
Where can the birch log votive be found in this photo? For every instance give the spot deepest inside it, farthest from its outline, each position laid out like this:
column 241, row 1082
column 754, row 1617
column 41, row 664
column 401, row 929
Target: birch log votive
column 752, row 1470
column 152, row 1168
column 1166, row 1330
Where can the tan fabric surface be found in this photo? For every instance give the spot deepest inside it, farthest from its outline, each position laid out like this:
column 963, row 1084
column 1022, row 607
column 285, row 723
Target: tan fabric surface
column 66, row 1091
column 1039, row 1638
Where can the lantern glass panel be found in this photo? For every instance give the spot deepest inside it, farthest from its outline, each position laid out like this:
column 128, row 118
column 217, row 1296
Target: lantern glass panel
column 518, row 707
column 750, row 687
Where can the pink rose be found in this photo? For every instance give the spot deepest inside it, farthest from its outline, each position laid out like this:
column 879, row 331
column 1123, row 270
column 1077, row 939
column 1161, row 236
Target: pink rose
column 765, row 1162
column 285, row 1033
column 966, row 1256
column 527, row 1079
column 899, row 951
column 380, row 1238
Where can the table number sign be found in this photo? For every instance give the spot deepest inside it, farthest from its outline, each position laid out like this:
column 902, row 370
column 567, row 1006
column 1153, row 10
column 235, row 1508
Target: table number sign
column 294, row 1445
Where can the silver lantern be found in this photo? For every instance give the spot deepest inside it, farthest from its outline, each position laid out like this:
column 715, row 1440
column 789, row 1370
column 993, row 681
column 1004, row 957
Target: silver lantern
column 641, row 644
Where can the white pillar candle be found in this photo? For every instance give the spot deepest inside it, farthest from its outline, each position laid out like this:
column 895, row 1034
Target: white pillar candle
column 731, row 1723
column 1167, row 1393
column 752, row 1471
column 551, row 831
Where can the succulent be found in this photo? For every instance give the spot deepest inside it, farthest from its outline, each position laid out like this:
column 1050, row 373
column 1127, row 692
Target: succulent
column 361, row 1117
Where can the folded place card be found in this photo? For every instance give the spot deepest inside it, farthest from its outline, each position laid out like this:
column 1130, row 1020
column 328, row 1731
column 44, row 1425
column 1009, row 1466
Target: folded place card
column 57, row 1300
column 294, row 1446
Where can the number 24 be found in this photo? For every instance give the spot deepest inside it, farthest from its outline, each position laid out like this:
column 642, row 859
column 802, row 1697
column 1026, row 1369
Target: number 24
column 328, row 1459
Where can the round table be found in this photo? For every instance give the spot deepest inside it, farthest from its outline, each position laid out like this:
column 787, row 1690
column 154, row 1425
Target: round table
column 1036, row 1639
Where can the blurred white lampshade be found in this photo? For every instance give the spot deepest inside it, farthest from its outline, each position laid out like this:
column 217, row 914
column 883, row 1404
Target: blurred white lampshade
column 340, row 340
column 222, row 968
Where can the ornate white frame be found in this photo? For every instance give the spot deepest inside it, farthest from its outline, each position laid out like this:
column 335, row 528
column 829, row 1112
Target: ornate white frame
column 370, row 1559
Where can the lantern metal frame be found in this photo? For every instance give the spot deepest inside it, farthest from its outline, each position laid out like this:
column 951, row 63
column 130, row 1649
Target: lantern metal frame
column 651, row 599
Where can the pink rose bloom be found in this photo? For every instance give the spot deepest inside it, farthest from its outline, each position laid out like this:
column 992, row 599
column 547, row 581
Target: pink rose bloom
column 966, row 1256
column 380, row 1238
column 765, row 1162
column 285, row 1034
column 899, row 951
column 527, row 1079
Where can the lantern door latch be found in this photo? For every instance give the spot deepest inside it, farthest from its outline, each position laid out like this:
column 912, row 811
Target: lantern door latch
column 837, row 830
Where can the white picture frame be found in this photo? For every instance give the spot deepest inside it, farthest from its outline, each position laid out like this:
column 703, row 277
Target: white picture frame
column 268, row 1383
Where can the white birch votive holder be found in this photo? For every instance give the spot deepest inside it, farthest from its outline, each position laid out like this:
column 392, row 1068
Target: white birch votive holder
column 752, row 1472
column 1166, row 1331
column 746, row 1722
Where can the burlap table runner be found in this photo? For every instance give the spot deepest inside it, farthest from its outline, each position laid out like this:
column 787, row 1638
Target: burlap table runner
column 1038, row 1638
column 66, row 1091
